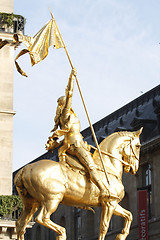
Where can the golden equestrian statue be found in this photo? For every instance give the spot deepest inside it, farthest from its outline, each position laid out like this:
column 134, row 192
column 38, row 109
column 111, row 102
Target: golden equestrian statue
column 79, row 178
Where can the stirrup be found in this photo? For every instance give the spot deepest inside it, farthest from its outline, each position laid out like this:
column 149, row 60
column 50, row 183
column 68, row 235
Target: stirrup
column 62, row 157
column 108, row 196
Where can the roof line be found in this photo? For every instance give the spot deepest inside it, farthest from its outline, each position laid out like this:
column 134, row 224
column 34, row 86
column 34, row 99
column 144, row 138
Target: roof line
column 123, row 110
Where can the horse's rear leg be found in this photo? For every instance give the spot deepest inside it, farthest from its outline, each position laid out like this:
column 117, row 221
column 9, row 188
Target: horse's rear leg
column 48, row 207
column 25, row 217
column 119, row 211
column 30, row 206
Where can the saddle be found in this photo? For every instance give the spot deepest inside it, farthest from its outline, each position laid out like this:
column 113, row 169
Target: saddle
column 74, row 164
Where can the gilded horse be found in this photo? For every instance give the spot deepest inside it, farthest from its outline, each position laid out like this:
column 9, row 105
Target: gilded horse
column 46, row 183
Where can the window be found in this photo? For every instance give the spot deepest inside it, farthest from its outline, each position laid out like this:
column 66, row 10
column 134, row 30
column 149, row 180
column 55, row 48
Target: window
column 90, row 224
column 78, row 226
column 147, row 175
column 147, row 184
column 63, row 222
column 38, row 233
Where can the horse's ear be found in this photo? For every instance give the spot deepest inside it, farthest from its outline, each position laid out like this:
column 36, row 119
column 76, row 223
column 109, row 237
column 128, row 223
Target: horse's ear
column 139, row 131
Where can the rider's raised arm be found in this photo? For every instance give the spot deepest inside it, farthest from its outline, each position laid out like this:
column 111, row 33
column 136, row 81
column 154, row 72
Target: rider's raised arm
column 69, row 89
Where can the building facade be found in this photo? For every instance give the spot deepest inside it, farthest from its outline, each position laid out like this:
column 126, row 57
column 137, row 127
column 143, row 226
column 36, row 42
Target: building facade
column 84, row 225
column 9, row 24
column 6, row 102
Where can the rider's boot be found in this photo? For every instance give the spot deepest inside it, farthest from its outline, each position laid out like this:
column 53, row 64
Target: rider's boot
column 106, row 192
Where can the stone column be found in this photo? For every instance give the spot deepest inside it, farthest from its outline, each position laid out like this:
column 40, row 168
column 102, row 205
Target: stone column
column 6, row 103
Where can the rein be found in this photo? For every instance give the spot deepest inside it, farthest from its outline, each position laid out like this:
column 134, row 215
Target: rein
column 110, row 155
column 133, row 151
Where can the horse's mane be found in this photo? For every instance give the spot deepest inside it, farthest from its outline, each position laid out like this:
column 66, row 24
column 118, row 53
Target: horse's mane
column 122, row 133
column 116, row 135
column 126, row 133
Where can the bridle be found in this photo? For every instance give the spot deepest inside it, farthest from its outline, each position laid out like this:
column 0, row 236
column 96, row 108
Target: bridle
column 132, row 150
column 122, row 161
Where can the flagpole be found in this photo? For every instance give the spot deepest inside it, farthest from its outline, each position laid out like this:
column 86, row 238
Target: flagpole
column 92, row 129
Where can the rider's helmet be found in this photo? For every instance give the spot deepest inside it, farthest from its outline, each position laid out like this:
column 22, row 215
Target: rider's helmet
column 61, row 101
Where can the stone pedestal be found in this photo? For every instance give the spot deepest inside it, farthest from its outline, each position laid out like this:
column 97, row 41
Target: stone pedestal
column 8, row 230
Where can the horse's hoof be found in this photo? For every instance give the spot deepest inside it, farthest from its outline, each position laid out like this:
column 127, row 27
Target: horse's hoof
column 60, row 237
column 121, row 237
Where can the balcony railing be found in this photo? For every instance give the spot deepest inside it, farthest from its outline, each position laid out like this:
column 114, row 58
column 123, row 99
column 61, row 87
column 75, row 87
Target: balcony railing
column 11, row 23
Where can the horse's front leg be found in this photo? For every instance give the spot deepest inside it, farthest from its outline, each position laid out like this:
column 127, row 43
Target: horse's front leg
column 119, row 211
column 106, row 214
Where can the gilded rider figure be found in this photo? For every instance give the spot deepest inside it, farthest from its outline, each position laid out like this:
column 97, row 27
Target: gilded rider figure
column 73, row 142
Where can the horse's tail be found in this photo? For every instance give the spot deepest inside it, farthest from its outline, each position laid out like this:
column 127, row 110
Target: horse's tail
column 18, row 181
column 30, row 205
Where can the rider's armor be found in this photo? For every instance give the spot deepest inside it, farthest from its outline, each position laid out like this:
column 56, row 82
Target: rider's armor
column 73, row 140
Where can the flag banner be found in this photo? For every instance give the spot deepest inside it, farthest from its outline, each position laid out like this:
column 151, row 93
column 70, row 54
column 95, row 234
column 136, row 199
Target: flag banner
column 38, row 45
column 3, row 43
column 143, row 214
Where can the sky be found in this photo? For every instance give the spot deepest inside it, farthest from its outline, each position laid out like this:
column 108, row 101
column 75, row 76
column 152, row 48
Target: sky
column 113, row 44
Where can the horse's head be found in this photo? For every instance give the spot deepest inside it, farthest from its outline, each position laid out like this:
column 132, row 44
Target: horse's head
column 130, row 151
column 120, row 148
